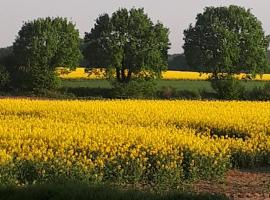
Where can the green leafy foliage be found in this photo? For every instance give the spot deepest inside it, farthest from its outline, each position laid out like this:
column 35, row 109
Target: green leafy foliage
column 226, row 40
column 260, row 93
column 136, row 88
column 128, row 43
column 42, row 45
column 228, row 88
column 4, row 78
column 4, row 52
column 178, row 62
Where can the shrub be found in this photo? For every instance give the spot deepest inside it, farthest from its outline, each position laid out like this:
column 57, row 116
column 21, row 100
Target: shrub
column 45, row 80
column 260, row 93
column 136, row 88
column 228, row 88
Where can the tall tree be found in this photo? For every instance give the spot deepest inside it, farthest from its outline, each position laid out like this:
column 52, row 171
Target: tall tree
column 226, row 39
column 4, row 52
column 129, row 43
column 42, row 45
column 4, row 78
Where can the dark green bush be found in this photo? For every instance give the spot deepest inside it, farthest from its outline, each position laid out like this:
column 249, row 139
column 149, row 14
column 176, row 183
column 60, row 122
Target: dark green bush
column 136, row 88
column 44, row 79
column 228, row 88
column 260, row 93
column 34, row 80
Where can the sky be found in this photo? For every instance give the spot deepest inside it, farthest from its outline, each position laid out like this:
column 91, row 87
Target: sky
column 174, row 14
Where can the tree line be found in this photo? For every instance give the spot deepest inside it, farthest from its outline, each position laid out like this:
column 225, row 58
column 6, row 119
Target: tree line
column 178, row 62
column 224, row 41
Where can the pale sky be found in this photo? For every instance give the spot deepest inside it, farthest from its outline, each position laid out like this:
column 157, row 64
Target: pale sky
column 174, row 14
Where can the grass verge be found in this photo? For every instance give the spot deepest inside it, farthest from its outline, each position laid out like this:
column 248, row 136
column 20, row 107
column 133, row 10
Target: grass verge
column 73, row 191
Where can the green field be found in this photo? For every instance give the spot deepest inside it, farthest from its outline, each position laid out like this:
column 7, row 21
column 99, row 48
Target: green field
column 177, row 84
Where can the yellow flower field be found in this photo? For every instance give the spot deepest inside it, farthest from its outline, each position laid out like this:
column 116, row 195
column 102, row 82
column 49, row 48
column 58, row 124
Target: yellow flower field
column 131, row 140
column 169, row 75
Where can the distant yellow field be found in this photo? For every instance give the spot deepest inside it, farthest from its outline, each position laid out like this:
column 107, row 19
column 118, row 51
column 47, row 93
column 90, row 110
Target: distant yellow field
column 181, row 75
column 81, row 73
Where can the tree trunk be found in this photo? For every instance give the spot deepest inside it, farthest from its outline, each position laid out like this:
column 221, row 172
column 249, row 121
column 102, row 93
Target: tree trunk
column 118, row 75
column 129, row 75
column 123, row 76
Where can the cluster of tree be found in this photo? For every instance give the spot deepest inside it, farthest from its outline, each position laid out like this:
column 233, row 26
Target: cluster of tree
column 4, row 52
column 223, row 40
column 127, row 42
column 177, row 62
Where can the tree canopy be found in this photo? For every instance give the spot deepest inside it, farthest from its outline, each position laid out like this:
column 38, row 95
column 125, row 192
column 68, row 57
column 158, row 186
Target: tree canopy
column 128, row 42
column 4, row 52
column 42, row 45
column 227, row 40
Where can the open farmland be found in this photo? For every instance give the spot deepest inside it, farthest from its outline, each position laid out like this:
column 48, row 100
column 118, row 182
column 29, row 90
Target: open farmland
column 116, row 111
column 81, row 84
column 133, row 141
column 100, row 73
column 191, row 85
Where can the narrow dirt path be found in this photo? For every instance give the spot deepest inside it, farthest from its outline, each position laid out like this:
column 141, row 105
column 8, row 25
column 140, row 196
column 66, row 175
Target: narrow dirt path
column 240, row 185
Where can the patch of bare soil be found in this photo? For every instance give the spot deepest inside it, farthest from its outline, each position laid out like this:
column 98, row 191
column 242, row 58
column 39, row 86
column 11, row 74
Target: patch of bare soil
column 240, row 185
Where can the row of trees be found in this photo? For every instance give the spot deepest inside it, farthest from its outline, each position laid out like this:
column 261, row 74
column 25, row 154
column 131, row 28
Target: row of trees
column 127, row 43
column 177, row 62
